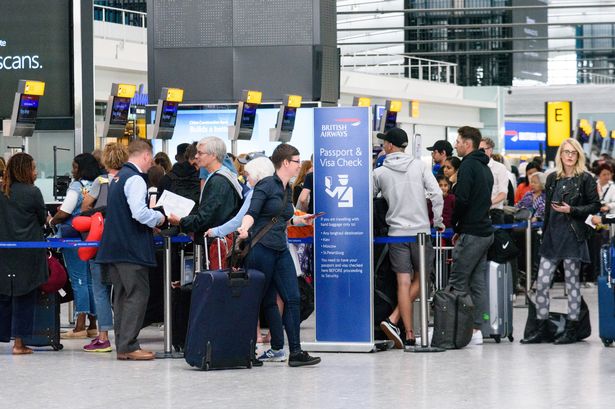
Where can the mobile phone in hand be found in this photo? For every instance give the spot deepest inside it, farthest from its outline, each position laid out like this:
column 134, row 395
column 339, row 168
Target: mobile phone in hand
column 557, row 203
column 315, row 215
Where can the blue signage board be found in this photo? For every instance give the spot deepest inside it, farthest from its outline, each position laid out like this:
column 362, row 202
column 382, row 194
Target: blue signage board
column 343, row 237
column 525, row 136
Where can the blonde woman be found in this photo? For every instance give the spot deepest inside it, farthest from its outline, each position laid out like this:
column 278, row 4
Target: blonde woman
column 571, row 196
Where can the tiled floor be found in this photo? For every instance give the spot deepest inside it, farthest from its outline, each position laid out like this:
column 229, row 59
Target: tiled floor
column 507, row 375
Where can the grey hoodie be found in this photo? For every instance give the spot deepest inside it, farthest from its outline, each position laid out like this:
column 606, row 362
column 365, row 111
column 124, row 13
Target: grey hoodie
column 406, row 184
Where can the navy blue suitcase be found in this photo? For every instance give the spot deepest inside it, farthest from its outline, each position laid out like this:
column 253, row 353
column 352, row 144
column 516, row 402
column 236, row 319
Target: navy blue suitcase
column 224, row 312
column 606, row 297
column 46, row 327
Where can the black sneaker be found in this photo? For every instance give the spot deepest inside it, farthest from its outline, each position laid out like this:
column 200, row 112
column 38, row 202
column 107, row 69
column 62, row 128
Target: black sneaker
column 256, row 362
column 392, row 332
column 302, row 358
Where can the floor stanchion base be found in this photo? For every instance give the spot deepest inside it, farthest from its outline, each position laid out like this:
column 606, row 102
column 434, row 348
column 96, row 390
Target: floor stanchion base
column 169, row 355
column 418, row 348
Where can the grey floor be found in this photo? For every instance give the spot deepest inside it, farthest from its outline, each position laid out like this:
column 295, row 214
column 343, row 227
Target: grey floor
column 507, row 375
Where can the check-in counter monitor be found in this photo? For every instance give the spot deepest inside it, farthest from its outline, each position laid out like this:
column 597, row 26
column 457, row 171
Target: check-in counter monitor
column 246, row 116
column 389, row 116
column 286, row 119
column 118, row 108
column 166, row 113
column 25, row 109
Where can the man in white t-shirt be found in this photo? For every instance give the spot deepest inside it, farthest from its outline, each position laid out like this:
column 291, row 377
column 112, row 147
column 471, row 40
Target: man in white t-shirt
column 500, row 183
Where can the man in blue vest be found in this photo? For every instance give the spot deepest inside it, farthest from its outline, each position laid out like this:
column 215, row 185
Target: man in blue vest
column 127, row 249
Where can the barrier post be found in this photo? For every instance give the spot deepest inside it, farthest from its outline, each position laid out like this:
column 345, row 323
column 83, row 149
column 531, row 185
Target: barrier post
column 528, row 259
column 168, row 318
column 424, row 347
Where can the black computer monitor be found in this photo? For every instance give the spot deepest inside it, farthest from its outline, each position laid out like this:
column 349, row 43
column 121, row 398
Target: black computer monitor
column 119, row 111
column 168, row 114
column 390, row 120
column 28, row 108
column 248, row 116
column 288, row 119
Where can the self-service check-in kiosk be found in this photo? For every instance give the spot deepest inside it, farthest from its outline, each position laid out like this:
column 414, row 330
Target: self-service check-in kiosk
column 118, row 108
column 286, row 119
column 245, row 118
column 166, row 115
column 25, row 111
column 389, row 117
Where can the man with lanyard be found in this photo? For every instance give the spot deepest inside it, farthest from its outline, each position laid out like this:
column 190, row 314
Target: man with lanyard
column 127, row 249
column 220, row 196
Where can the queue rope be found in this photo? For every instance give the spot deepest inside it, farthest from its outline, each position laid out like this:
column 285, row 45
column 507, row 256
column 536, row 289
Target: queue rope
column 159, row 240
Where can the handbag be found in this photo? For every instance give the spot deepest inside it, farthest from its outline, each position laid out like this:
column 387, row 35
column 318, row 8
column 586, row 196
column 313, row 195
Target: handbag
column 57, row 276
column 241, row 248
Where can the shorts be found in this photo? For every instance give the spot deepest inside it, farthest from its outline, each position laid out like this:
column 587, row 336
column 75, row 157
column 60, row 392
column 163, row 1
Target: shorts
column 404, row 257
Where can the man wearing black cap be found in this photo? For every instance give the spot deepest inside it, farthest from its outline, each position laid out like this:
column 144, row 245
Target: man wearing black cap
column 440, row 151
column 406, row 182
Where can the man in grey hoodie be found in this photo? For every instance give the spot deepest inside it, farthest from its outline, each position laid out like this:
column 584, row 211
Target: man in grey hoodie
column 406, row 183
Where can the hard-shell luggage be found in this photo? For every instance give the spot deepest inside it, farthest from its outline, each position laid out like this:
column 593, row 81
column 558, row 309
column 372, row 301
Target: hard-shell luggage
column 453, row 319
column 606, row 297
column 223, row 316
column 46, row 326
column 499, row 302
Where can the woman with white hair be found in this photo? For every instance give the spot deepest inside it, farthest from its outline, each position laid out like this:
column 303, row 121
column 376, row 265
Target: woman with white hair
column 571, row 196
column 254, row 170
column 534, row 200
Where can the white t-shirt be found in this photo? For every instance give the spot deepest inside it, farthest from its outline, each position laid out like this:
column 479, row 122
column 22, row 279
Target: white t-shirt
column 500, row 181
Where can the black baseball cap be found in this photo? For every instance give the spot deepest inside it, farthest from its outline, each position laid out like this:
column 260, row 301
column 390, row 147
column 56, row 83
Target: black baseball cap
column 252, row 155
column 442, row 146
column 396, row 136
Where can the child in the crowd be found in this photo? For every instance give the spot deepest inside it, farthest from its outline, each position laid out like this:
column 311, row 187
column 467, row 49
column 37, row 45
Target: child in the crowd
column 449, row 201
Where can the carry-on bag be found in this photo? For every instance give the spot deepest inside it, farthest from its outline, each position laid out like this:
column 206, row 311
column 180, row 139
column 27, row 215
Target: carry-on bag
column 453, row 319
column 500, row 302
column 223, row 316
column 606, row 297
column 46, row 324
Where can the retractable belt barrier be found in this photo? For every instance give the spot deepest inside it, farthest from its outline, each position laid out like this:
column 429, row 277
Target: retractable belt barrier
column 167, row 241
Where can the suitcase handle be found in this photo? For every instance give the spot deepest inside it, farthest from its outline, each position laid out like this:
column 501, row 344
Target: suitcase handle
column 205, row 244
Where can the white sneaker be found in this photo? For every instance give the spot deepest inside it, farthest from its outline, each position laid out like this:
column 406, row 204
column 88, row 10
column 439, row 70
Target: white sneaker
column 477, row 338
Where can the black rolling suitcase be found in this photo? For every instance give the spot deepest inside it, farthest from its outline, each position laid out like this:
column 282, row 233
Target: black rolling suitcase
column 223, row 315
column 46, row 327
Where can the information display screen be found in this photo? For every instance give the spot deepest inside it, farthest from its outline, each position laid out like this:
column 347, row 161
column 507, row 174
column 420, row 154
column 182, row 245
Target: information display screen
column 168, row 116
column 390, row 120
column 28, row 108
column 249, row 116
column 35, row 44
column 119, row 111
column 288, row 119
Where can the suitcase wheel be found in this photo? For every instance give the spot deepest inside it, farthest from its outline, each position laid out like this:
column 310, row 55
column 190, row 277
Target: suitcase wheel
column 511, row 338
column 497, row 339
column 57, row 347
column 607, row 342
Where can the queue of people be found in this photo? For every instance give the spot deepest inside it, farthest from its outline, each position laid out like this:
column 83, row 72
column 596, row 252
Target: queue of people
column 261, row 194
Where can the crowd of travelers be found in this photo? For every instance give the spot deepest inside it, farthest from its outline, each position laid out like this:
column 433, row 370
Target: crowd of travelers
column 469, row 193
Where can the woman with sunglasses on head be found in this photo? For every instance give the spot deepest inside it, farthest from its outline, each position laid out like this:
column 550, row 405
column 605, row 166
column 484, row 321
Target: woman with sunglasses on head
column 571, row 196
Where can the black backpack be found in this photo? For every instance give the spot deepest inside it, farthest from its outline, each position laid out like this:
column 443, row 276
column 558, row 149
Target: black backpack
column 503, row 248
column 187, row 186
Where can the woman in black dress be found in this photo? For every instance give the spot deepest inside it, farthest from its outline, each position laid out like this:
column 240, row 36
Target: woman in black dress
column 22, row 271
column 571, row 196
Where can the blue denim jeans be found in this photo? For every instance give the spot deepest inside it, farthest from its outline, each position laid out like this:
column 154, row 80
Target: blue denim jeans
column 280, row 278
column 102, row 298
column 81, row 282
column 17, row 315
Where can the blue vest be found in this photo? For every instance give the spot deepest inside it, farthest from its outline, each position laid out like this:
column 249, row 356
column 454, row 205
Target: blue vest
column 124, row 239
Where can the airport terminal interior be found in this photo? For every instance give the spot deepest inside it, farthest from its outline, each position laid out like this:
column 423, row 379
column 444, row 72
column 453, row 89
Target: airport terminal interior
column 353, row 85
